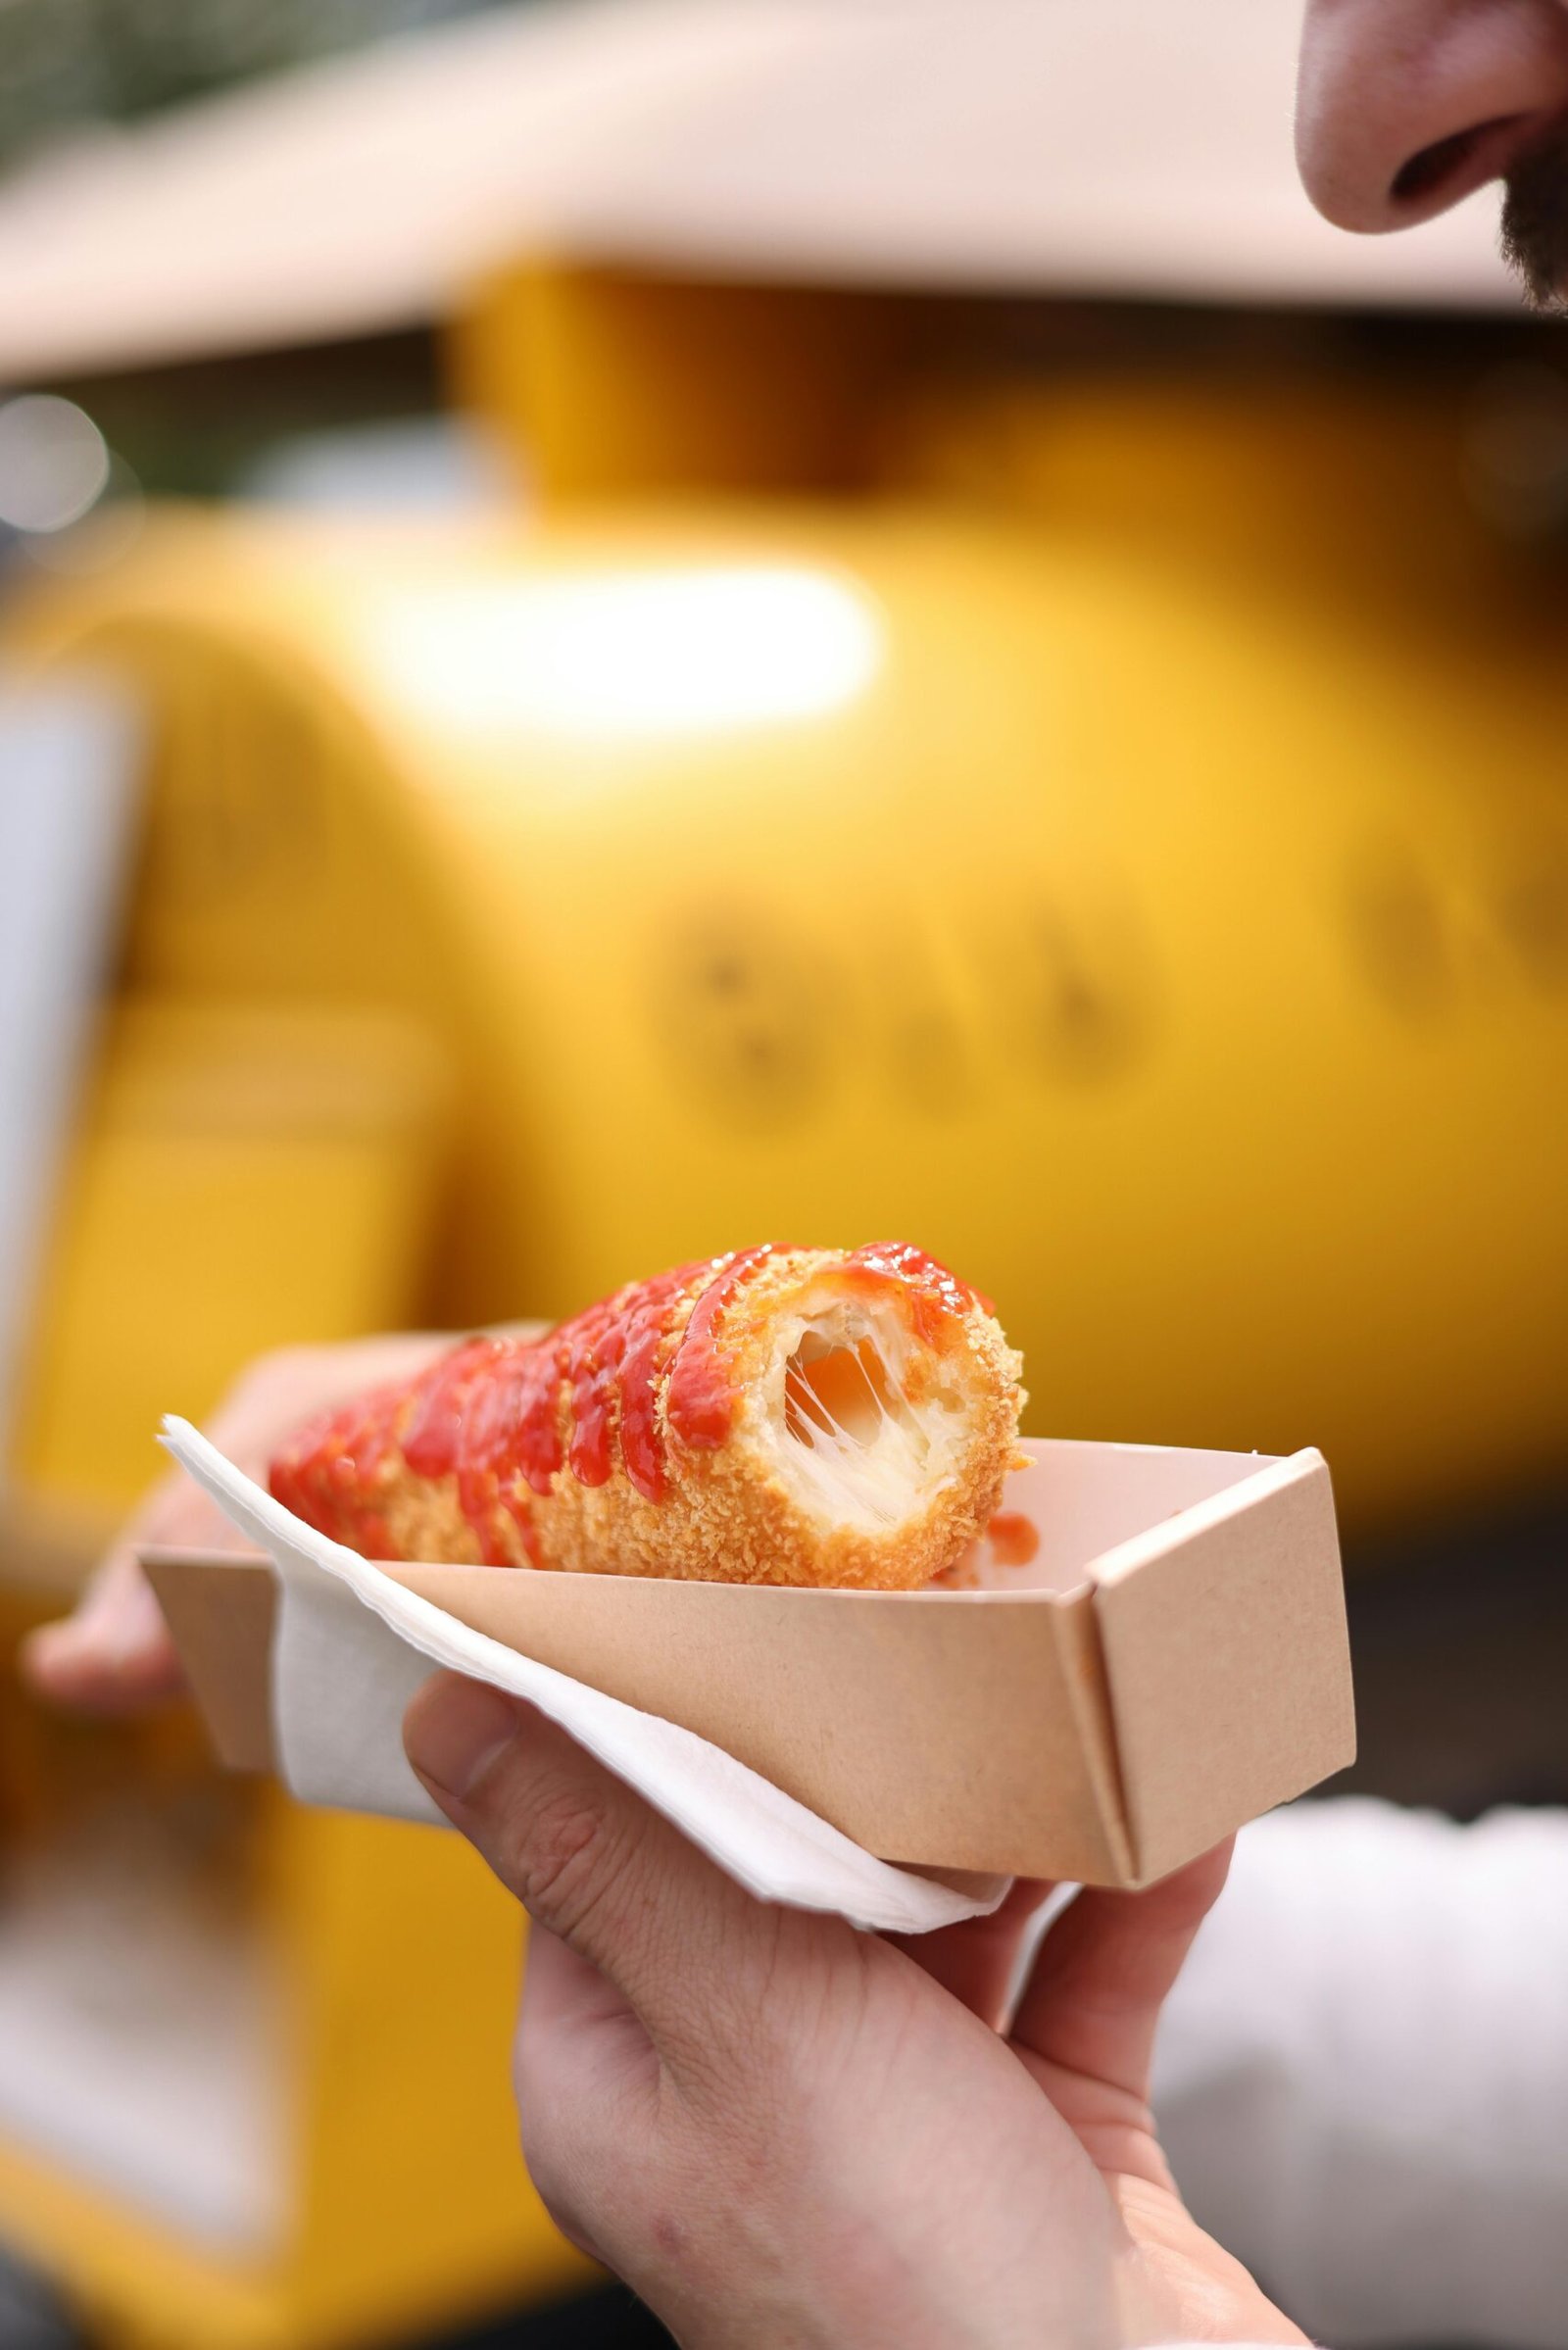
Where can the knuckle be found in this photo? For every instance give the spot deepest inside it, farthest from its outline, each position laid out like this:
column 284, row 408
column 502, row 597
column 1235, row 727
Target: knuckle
column 559, row 1852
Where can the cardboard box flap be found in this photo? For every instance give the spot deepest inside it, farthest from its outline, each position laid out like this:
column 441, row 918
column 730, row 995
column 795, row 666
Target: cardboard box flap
column 221, row 1610
column 1228, row 1670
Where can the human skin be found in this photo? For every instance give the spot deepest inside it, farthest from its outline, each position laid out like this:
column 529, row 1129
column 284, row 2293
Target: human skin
column 788, row 2135
column 1406, row 106
column 114, row 1655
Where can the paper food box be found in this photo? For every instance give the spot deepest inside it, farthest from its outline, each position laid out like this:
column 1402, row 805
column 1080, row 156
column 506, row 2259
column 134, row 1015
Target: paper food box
column 1168, row 1660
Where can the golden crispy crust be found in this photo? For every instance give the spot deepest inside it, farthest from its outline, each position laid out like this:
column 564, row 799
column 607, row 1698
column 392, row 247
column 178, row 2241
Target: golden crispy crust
column 731, row 1505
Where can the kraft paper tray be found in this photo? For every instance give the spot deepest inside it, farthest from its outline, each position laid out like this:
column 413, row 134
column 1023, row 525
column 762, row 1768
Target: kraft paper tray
column 1172, row 1663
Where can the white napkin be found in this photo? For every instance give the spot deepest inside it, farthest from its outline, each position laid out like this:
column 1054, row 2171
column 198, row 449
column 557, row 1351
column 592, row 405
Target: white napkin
column 352, row 1647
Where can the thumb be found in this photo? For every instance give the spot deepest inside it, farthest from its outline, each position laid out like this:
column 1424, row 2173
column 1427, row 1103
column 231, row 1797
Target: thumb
column 979, row 1960
column 1093, row 2000
column 589, row 1860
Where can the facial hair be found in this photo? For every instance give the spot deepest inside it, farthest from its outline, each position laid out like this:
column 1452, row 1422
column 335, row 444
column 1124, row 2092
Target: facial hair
column 1535, row 221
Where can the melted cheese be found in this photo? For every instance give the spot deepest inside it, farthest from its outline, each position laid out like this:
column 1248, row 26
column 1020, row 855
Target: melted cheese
column 857, row 1448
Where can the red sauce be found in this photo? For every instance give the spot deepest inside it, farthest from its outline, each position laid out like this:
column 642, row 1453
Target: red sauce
column 1015, row 1539
column 432, row 1435
column 591, row 1387
column 641, row 1360
column 323, row 1472
column 367, row 1435
column 436, row 1442
column 540, row 1374
column 511, row 1431
column 702, row 1400
column 503, row 1417
column 938, row 1299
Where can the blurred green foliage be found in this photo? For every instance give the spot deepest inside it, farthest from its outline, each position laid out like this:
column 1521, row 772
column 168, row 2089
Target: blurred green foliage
column 66, row 64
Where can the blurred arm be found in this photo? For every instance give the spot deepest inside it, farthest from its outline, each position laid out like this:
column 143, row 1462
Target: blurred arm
column 1362, row 2077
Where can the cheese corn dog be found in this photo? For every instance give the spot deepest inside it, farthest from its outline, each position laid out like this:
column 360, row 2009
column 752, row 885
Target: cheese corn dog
column 777, row 1415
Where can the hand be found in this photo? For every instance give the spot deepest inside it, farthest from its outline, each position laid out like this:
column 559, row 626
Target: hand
column 790, row 2135
column 114, row 1655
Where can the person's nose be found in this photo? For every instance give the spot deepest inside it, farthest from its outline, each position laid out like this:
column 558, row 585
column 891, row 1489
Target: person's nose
column 1405, row 106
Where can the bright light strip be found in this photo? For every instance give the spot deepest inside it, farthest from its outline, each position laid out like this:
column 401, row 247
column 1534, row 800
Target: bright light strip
column 622, row 654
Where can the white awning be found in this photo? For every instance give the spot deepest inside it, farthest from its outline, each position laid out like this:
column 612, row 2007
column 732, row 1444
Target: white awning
column 1121, row 147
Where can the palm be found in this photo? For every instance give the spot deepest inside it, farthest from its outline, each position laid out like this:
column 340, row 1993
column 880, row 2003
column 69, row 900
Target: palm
column 1083, row 2031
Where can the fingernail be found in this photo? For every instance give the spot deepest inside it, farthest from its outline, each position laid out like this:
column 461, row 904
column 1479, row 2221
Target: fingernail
column 454, row 1730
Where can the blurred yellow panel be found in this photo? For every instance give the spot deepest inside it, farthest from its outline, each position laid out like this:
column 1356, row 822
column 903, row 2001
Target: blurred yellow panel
column 245, row 1178
column 1130, row 859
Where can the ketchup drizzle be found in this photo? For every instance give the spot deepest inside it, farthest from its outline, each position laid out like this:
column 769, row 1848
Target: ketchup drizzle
column 940, row 1299
column 503, row 1417
column 701, row 1399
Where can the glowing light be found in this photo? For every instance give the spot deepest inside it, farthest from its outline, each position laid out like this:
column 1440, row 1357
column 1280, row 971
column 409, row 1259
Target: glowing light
column 631, row 654
column 54, row 463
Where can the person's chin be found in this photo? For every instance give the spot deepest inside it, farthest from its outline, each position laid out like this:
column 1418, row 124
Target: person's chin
column 1535, row 221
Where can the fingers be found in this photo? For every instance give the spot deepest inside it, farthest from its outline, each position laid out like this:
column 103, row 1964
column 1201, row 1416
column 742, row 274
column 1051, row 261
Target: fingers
column 114, row 1654
column 592, row 1863
column 977, row 1961
column 1093, row 2001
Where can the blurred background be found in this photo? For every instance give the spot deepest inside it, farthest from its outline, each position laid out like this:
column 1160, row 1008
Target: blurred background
column 630, row 624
